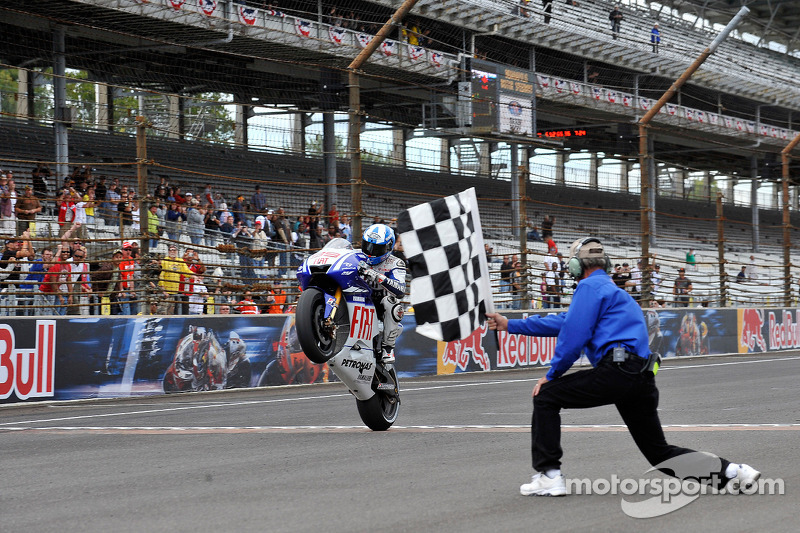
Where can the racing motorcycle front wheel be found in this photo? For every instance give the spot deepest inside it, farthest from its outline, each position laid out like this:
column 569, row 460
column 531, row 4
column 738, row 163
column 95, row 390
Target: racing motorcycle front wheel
column 380, row 411
column 315, row 339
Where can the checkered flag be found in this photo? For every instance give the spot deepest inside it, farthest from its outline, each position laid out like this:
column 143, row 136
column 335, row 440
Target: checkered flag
column 450, row 286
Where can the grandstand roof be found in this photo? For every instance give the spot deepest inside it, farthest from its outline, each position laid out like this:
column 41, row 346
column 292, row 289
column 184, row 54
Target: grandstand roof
column 769, row 20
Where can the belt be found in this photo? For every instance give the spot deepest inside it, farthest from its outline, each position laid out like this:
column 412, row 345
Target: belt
column 631, row 362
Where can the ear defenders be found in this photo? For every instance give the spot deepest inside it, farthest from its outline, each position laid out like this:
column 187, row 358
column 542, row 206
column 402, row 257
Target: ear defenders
column 574, row 265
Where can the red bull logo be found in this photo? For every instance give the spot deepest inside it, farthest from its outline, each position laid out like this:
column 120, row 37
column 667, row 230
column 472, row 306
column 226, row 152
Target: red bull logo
column 784, row 335
column 28, row 372
column 458, row 353
column 751, row 322
column 522, row 350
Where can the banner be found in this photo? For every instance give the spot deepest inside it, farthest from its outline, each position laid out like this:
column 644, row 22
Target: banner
column 104, row 357
column 436, row 59
column 247, row 15
column 363, row 39
column 337, row 35
column 389, row 47
column 207, row 7
column 176, row 4
column 303, row 27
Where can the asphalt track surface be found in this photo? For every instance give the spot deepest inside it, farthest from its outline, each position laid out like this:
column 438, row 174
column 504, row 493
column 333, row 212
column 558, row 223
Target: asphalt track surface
column 298, row 458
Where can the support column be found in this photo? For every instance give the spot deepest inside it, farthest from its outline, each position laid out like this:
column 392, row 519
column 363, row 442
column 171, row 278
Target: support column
column 707, row 185
column 730, row 192
column 60, row 105
column 776, row 194
column 444, row 155
column 794, row 204
column 593, row 167
column 25, row 94
column 399, row 136
column 102, row 110
column 515, row 192
column 298, row 142
column 175, row 104
column 680, row 183
column 485, row 159
column 240, row 127
column 329, row 158
column 561, row 160
column 624, row 171
column 754, row 201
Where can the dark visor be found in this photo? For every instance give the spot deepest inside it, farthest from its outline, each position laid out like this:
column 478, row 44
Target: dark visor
column 372, row 249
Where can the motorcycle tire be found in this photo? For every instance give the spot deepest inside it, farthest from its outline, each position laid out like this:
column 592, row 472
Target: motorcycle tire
column 379, row 412
column 316, row 344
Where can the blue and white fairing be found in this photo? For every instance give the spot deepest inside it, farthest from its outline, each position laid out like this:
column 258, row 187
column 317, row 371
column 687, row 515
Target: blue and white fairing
column 334, row 271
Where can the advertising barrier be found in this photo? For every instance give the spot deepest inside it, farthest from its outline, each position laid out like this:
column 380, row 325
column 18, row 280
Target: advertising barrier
column 104, row 357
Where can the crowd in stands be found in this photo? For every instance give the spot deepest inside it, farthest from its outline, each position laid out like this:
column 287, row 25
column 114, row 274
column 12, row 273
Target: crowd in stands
column 261, row 243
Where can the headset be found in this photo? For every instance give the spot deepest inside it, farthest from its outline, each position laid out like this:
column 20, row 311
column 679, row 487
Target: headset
column 575, row 266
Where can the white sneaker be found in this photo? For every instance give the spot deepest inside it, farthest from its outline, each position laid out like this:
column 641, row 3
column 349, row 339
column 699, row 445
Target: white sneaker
column 541, row 485
column 746, row 477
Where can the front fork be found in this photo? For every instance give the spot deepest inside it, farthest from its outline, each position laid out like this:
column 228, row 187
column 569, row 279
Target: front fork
column 332, row 304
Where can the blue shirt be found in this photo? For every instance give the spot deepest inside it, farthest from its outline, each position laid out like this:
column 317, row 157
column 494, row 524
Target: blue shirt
column 600, row 317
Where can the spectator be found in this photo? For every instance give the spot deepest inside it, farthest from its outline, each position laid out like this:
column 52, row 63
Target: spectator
column 195, row 223
column 615, row 16
column 80, row 283
column 655, row 38
column 27, row 208
column 247, row 306
column 243, row 238
column 260, row 242
column 547, row 227
column 125, row 212
column 41, row 175
column 15, row 255
column 553, row 281
column 752, row 269
column 552, row 249
column 174, row 222
column 333, row 216
column 208, row 197
column 224, row 309
column 655, row 278
column 620, row 276
column 7, row 225
column 53, row 296
column 411, row 33
column 198, row 297
column 682, row 289
column 36, row 273
column 172, row 268
column 283, row 235
column 548, row 9
column 239, row 210
column 212, row 229
column 153, row 226
column 126, row 289
column 345, row 228
column 259, row 201
column 742, row 275
column 517, row 285
column 522, row 9
column 634, row 285
column 533, row 232
column 112, row 198
column 506, row 268
column 691, row 261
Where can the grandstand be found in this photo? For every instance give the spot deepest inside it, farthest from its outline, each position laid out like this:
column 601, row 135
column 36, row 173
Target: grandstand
column 181, row 56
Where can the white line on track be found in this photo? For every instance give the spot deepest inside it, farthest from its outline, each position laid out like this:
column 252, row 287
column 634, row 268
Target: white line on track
column 424, row 428
column 212, row 405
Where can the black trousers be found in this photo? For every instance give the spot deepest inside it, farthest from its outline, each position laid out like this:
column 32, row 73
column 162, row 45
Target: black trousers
column 635, row 396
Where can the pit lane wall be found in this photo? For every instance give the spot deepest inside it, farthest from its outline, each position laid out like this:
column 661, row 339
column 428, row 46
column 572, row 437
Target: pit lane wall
column 101, row 357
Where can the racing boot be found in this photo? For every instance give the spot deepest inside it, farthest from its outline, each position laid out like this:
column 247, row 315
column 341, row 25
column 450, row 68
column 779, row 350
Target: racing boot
column 388, row 355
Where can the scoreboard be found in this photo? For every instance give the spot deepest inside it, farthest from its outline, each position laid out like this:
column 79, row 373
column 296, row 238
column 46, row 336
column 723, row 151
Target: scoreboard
column 501, row 98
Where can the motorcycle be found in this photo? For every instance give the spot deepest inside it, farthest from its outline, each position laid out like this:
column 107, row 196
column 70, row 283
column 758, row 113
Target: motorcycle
column 202, row 363
column 336, row 324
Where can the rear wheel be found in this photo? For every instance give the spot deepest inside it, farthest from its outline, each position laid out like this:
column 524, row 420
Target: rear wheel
column 380, row 411
column 315, row 338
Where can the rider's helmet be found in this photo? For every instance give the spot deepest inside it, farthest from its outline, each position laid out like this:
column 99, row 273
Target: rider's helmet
column 236, row 348
column 377, row 243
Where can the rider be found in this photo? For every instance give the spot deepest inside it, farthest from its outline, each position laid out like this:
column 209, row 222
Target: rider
column 386, row 276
